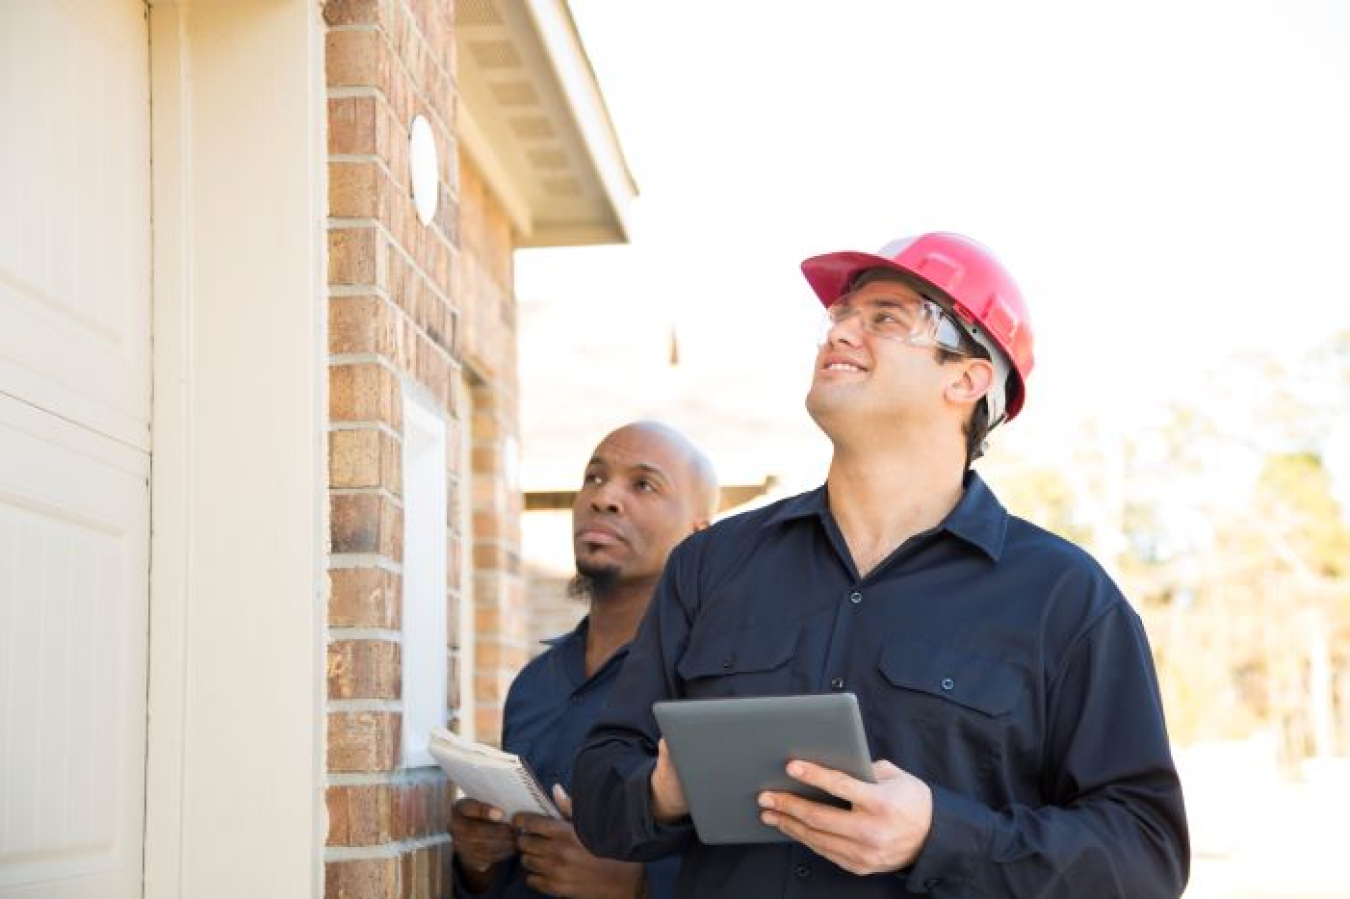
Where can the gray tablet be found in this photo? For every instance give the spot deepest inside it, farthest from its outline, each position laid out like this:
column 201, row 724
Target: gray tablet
column 727, row 751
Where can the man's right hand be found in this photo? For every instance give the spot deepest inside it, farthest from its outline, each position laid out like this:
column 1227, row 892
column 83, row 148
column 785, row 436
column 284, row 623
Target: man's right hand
column 482, row 838
column 668, row 801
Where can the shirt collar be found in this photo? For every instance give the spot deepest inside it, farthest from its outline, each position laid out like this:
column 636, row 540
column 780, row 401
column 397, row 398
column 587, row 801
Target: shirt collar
column 978, row 518
column 576, row 634
column 803, row 505
column 572, row 647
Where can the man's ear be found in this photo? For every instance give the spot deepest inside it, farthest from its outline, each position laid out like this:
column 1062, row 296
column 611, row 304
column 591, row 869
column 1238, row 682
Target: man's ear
column 973, row 380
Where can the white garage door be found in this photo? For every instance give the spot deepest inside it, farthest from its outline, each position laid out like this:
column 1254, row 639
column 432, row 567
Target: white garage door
column 74, row 445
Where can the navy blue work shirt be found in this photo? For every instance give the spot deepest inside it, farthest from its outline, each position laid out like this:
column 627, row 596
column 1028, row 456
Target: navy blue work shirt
column 992, row 659
column 549, row 708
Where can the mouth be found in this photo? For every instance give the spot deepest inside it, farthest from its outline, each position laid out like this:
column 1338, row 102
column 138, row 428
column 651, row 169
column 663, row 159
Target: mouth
column 598, row 535
column 835, row 363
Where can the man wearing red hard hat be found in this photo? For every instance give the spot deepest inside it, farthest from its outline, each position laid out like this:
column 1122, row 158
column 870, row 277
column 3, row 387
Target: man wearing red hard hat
column 1006, row 686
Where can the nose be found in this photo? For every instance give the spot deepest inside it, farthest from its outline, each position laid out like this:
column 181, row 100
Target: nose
column 606, row 498
column 846, row 329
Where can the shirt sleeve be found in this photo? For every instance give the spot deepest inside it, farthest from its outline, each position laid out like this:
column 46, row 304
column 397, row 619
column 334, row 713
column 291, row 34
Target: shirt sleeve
column 611, row 793
column 661, row 877
column 1115, row 820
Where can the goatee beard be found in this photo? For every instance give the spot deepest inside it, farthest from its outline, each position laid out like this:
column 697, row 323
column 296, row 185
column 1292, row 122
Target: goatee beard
column 592, row 584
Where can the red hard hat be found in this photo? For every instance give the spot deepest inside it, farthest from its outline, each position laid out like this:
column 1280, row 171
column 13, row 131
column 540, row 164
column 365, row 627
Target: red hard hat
column 980, row 290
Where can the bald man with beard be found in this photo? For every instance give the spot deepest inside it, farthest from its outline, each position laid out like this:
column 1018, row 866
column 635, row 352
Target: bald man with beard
column 645, row 489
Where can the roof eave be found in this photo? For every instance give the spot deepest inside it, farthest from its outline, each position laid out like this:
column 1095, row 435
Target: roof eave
column 534, row 121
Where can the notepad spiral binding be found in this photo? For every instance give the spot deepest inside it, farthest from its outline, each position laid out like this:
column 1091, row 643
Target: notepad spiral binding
column 536, row 790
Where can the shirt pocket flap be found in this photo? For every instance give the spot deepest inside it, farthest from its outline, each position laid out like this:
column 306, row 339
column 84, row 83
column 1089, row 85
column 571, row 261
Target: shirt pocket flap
column 739, row 651
column 977, row 683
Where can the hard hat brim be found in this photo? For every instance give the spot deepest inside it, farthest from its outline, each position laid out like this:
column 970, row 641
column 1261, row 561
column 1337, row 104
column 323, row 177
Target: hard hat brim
column 831, row 274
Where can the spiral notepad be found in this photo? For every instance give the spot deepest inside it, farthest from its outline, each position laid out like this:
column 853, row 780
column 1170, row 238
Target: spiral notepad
column 501, row 779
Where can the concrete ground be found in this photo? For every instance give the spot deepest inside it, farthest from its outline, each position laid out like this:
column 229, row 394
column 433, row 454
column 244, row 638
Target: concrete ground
column 1258, row 834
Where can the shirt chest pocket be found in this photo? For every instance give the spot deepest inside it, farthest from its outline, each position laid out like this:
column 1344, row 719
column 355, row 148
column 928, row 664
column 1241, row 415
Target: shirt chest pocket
column 747, row 661
column 950, row 715
column 951, row 680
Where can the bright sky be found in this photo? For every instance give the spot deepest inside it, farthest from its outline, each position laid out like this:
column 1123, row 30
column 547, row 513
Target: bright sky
column 1167, row 179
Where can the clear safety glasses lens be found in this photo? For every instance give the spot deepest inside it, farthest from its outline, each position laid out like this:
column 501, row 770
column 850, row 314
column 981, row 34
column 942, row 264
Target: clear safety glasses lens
column 917, row 322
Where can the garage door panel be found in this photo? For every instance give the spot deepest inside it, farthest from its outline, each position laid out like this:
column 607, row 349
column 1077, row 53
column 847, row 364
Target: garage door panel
column 74, row 232
column 74, row 530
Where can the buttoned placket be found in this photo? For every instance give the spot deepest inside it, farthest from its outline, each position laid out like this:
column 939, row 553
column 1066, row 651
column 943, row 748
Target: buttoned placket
column 849, row 612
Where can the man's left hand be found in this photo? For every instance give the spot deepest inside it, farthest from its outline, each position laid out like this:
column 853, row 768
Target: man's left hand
column 884, row 831
column 556, row 863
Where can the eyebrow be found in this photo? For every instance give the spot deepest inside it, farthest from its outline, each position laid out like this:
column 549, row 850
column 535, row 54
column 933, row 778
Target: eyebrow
column 896, row 299
column 882, row 302
column 650, row 469
column 639, row 466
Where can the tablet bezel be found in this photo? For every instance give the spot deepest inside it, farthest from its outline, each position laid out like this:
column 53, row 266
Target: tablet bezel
column 726, row 751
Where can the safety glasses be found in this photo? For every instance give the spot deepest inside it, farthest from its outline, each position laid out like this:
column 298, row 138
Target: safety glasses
column 916, row 321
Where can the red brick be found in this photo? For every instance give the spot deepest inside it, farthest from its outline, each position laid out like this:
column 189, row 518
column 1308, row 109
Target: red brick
column 354, row 458
column 364, row 669
column 421, row 809
column 364, row 597
column 352, row 256
column 366, row 523
column 352, row 12
column 354, row 125
column 355, row 58
column 491, row 556
column 490, row 653
column 364, row 392
column 420, row 870
column 487, row 721
column 357, row 190
column 363, row 741
column 426, row 872
column 360, row 815
column 365, row 457
column 367, row 878
column 361, row 324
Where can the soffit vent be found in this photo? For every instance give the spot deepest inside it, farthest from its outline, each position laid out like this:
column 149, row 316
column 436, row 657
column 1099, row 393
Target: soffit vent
column 532, row 128
column 515, row 93
column 476, row 13
column 495, row 55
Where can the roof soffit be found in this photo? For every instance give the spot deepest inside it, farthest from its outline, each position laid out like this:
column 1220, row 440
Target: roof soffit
column 532, row 118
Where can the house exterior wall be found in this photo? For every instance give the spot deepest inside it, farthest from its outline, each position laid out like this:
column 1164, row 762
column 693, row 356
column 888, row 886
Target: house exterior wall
column 551, row 610
column 486, row 276
column 235, row 729
column 393, row 319
column 432, row 305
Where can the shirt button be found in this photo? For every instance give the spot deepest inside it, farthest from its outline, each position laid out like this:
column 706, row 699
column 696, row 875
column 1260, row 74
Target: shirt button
column 802, row 872
column 837, row 684
column 855, row 597
column 948, row 684
column 726, row 662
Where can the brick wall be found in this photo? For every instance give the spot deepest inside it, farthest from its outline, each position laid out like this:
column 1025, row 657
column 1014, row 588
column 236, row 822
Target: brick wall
column 489, row 340
column 431, row 304
column 393, row 318
column 552, row 611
